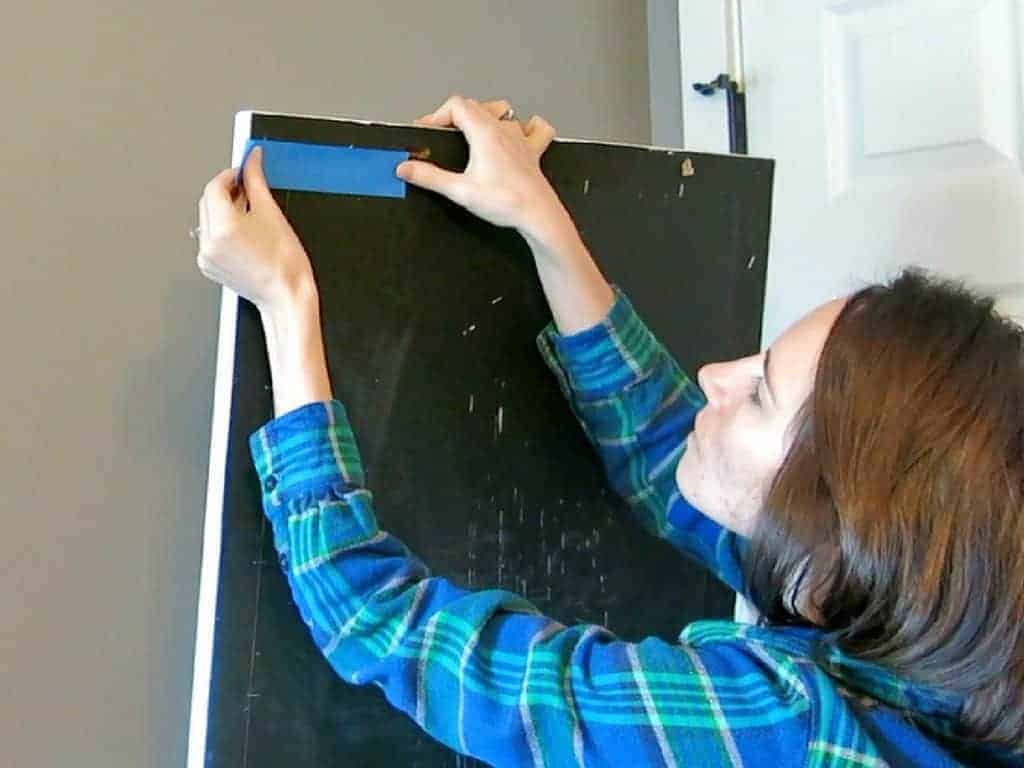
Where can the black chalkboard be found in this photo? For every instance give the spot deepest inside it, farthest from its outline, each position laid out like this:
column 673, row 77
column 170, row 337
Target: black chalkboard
column 401, row 282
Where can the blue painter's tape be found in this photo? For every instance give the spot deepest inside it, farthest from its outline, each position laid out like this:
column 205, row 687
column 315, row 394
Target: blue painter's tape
column 325, row 168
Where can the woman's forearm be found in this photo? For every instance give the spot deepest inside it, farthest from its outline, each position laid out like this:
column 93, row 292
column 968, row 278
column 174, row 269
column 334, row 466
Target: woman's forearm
column 295, row 349
column 577, row 292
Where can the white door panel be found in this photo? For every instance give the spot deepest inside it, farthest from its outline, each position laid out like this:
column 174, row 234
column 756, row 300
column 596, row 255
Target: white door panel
column 704, row 53
column 897, row 129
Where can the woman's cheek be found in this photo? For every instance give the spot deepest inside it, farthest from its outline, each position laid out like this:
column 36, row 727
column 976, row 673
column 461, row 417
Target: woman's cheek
column 764, row 457
column 692, row 479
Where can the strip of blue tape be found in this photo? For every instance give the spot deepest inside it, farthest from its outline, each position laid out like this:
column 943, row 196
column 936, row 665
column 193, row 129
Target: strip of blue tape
column 325, row 168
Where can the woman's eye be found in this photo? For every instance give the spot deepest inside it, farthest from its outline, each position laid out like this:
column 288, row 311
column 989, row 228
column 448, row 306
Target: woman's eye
column 755, row 392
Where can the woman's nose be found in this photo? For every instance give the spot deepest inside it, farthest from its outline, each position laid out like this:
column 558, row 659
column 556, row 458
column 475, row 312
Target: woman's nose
column 717, row 380
column 708, row 380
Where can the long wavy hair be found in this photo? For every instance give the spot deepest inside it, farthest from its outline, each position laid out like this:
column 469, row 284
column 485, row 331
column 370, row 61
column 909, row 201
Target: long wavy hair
column 899, row 505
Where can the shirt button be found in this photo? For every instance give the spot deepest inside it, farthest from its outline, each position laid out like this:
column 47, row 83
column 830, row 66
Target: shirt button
column 283, row 560
column 270, row 483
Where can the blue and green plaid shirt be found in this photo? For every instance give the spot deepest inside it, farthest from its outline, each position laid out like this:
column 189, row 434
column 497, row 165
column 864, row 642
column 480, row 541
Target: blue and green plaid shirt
column 488, row 675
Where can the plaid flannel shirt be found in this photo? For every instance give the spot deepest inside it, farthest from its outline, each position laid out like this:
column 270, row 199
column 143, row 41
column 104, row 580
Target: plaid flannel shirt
column 486, row 674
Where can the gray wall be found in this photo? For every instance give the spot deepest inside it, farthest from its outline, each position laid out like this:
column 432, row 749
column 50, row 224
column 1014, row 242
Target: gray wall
column 663, row 67
column 113, row 120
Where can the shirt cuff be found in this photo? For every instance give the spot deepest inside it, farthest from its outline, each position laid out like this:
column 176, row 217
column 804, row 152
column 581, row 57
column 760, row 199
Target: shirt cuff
column 307, row 452
column 607, row 357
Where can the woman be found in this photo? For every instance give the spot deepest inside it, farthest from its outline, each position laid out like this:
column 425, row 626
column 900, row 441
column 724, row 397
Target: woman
column 860, row 481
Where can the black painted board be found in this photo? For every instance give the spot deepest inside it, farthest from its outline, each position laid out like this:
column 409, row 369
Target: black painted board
column 426, row 308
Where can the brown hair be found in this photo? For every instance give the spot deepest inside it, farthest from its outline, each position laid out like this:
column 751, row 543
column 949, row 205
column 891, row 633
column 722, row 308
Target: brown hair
column 899, row 502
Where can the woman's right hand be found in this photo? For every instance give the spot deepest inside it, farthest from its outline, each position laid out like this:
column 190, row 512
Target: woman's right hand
column 503, row 182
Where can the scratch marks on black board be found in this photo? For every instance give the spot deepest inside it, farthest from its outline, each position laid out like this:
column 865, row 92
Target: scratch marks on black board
column 250, row 694
column 549, row 548
column 499, row 422
column 472, row 324
column 471, row 539
column 471, row 402
column 501, row 546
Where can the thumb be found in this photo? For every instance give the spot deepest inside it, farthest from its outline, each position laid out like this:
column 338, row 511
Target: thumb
column 429, row 176
column 255, row 182
column 539, row 134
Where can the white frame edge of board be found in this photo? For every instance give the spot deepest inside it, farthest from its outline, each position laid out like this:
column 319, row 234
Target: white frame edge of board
column 342, row 119
column 209, row 570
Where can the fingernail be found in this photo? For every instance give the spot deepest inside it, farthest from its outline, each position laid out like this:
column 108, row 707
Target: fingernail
column 400, row 170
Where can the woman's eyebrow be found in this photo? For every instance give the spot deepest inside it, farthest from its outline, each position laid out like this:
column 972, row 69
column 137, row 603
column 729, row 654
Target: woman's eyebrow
column 767, row 380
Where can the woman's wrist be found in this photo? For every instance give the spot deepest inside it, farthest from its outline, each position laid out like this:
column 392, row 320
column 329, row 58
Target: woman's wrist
column 577, row 292
column 294, row 294
column 548, row 228
column 295, row 349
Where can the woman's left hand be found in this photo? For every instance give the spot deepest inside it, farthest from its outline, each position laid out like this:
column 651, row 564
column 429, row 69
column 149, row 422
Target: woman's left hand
column 503, row 182
column 246, row 243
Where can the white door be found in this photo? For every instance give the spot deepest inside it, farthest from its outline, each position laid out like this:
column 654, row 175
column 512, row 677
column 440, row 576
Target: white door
column 897, row 130
column 896, row 126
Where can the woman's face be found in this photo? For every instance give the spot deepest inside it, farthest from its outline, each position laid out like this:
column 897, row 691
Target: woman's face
column 742, row 435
